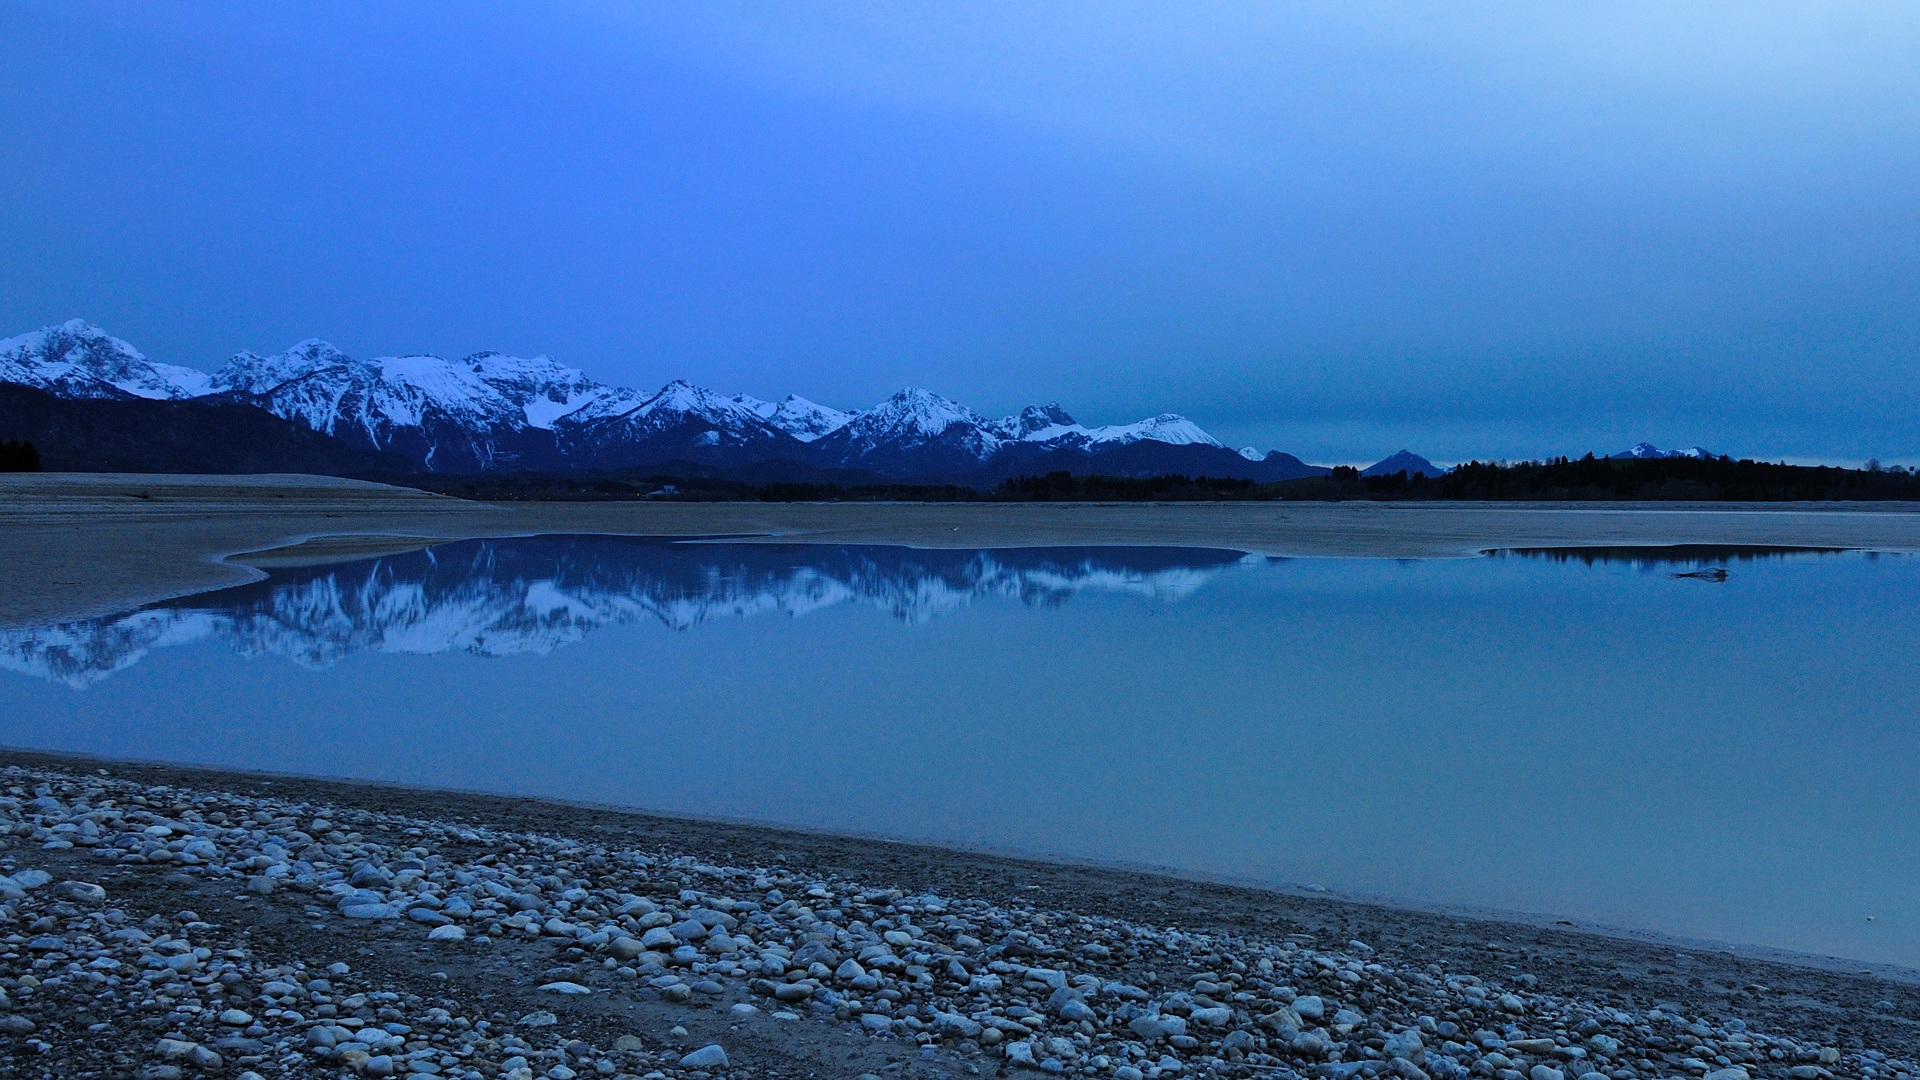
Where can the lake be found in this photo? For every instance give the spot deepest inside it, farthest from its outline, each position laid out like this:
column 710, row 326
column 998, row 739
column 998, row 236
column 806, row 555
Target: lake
column 1622, row 736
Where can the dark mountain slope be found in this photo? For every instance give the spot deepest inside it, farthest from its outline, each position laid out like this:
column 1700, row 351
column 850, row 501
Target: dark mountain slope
column 1140, row 459
column 199, row 436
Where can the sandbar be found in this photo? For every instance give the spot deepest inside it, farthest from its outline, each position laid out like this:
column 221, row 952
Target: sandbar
column 83, row 545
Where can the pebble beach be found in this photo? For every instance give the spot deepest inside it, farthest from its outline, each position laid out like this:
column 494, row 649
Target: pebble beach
column 162, row 923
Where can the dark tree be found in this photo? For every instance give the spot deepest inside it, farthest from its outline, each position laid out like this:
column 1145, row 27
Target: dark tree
column 19, row 456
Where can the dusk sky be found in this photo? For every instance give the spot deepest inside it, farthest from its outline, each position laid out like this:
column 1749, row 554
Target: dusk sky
column 1335, row 229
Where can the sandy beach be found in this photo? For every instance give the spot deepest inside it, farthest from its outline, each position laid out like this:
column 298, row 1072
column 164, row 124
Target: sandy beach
column 83, row 545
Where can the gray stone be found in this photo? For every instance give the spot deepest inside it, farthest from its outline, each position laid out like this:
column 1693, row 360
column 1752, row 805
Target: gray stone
column 370, row 876
column 710, row 1056
column 1407, row 1070
column 956, row 1025
column 814, row 952
column 80, row 892
column 1407, row 1045
column 1157, row 1027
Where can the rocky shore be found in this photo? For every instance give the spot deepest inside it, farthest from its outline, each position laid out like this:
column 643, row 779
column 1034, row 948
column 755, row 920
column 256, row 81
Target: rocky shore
column 164, row 923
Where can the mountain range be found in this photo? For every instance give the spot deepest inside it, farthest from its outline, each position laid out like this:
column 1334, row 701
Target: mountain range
column 1643, row 451
column 492, row 412
column 313, row 408
column 535, row 595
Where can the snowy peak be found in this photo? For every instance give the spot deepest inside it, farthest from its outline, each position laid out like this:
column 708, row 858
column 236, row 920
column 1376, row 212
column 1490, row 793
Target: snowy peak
column 916, row 414
column 681, row 422
column 804, row 420
column 1036, row 422
column 251, row 373
column 502, row 598
column 79, row 360
column 680, row 402
column 494, row 411
column 682, row 397
column 913, row 432
column 1648, row 450
column 1170, row 428
column 1405, row 461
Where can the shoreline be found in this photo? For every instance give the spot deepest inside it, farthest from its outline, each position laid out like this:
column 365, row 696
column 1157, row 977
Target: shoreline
column 87, row 545
column 795, row 952
column 366, row 790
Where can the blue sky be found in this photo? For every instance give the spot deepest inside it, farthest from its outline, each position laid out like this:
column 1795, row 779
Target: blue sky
column 1497, row 230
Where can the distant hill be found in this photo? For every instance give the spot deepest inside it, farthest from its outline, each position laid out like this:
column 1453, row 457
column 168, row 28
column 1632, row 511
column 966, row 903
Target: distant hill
column 1405, row 461
column 207, row 435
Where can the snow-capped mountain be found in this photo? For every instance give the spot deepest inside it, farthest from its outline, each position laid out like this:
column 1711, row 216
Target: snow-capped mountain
column 79, row 360
column 914, row 431
column 1648, row 450
column 486, row 411
column 507, row 597
column 682, row 422
column 1406, row 460
column 804, row 420
column 917, row 431
column 490, row 411
column 1063, row 431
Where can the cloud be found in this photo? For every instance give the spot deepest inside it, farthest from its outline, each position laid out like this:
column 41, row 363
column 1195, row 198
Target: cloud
column 1268, row 86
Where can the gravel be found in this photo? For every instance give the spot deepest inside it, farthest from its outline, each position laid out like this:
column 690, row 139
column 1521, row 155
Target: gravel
column 156, row 930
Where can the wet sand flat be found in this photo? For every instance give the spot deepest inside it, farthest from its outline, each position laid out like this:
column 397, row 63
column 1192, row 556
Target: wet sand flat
column 80, row 545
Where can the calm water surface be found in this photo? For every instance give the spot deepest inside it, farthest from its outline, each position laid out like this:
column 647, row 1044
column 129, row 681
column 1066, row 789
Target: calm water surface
column 1592, row 737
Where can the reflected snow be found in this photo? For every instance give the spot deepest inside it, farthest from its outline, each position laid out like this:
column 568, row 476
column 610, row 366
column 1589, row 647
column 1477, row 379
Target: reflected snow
column 505, row 597
column 1581, row 734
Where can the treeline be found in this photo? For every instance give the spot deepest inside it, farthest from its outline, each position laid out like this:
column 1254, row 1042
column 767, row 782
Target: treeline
column 1066, row 487
column 1585, row 479
column 682, row 489
column 19, row 455
column 1051, row 487
column 1637, row 480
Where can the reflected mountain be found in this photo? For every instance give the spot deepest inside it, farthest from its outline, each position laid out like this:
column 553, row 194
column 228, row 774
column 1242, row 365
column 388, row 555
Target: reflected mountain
column 505, row 597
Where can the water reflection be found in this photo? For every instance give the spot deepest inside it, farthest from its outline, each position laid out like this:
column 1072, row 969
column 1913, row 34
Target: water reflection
column 1574, row 733
column 1672, row 555
column 506, row 597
